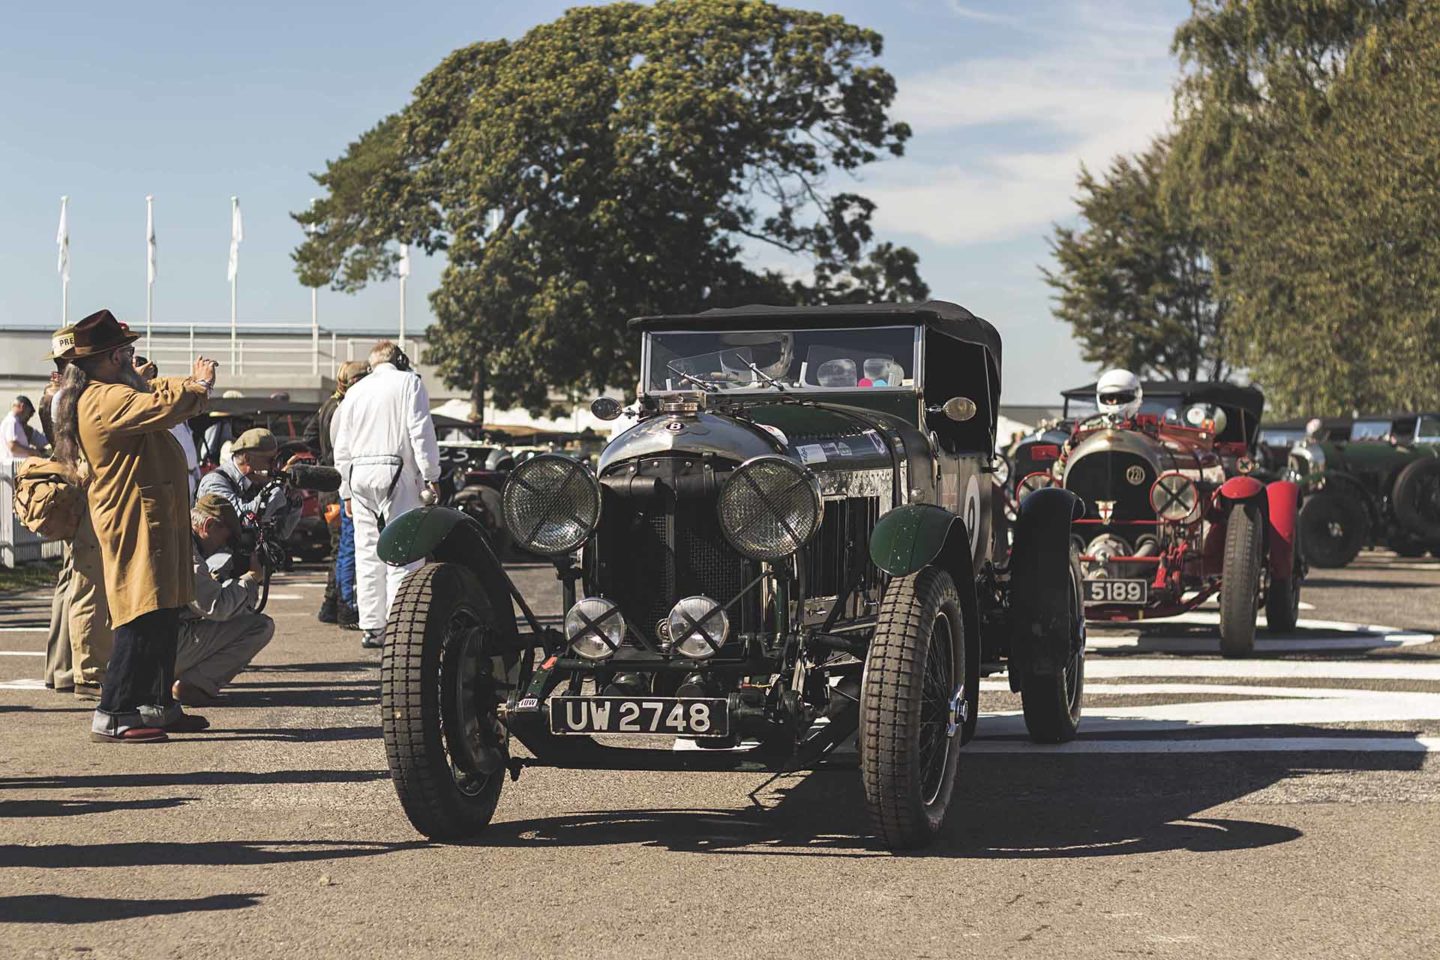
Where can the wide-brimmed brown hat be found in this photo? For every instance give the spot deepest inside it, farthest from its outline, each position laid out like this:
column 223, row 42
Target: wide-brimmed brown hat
column 62, row 343
column 98, row 333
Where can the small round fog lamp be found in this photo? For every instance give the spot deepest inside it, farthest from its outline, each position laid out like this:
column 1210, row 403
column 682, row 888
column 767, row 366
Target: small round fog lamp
column 594, row 628
column 698, row 627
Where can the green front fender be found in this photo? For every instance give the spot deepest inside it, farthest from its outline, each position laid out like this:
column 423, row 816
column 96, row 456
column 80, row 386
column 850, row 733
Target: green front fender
column 415, row 534
column 911, row 537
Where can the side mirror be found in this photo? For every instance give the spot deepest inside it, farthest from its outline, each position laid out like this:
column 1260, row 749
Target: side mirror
column 605, row 408
column 959, row 409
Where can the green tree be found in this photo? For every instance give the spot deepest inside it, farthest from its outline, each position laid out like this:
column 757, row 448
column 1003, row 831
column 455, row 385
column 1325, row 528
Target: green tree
column 1306, row 152
column 618, row 161
column 1134, row 280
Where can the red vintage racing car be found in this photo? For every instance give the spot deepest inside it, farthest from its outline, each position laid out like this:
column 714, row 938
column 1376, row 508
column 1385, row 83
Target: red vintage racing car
column 1173, row 515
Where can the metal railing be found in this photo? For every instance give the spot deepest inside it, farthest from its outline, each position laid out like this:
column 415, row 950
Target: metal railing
column 257, row 348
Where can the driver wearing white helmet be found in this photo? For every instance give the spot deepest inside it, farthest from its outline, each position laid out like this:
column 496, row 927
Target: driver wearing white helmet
column 1118, row 394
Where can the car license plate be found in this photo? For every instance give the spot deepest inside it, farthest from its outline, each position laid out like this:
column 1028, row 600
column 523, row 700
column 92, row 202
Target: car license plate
column 670, row 716
column 1117, row 591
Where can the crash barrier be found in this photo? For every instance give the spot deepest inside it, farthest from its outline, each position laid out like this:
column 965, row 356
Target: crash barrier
column 17, row 544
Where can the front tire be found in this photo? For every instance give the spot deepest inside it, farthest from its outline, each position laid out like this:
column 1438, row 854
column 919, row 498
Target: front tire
column 910, row 716
column 1333, row 529
column 1240, row 580
column 437, row 701
column 1052, row 700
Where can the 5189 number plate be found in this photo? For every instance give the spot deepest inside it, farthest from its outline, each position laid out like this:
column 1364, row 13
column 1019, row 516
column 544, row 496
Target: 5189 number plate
column 668, row 716
column 1135, row 592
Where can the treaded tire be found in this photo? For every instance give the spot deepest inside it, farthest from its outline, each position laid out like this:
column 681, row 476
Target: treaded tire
column 413, row 670
column 1417, row 499
column 915, row 612
column 1333, row 529
column 1240, row 579
column 1053, row 700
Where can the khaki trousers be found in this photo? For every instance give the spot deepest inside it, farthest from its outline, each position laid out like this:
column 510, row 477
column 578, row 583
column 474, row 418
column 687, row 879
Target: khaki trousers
column 59, row 671
column 212, row 652
column 91, row 636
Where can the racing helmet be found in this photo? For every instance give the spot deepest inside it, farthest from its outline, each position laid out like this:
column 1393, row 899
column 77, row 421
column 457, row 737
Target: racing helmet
column 1118, row 394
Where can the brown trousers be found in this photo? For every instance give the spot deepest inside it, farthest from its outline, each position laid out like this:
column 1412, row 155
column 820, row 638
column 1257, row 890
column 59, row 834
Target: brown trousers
column 59, row 669
column 91, row 635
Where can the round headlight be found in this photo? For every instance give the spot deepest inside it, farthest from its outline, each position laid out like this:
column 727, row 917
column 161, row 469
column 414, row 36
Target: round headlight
column 1035, row 481
column 698, row 627
column 769, row 507
column 1175, row 498
column 552, row 504
column 594, row 628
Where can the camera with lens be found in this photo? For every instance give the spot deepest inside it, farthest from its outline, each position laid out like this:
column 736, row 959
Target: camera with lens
column 262, row 537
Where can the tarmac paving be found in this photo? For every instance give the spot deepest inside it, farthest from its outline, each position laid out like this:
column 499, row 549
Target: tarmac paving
column 1287, row 805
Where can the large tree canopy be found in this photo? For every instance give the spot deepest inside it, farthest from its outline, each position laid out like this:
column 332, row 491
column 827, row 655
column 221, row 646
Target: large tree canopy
column 1305, row 151
column 621, row 160
column 1134, row 280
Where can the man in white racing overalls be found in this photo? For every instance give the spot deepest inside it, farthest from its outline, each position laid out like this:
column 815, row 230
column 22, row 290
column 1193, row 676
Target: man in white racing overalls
column 384, row 446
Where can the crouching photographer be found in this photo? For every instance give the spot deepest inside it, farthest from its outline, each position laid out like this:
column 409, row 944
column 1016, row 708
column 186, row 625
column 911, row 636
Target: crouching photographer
column 222, row 630
column 245, row 481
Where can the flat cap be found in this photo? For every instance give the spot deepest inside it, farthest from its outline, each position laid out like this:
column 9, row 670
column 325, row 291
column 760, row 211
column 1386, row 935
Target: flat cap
column 216, row 507
column 255, row 440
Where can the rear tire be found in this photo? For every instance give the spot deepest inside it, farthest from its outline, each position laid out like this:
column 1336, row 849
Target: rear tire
column 437, row 703
column 1333, row 529
column 1417, row 499
column 1240, row 580
column 909, row 733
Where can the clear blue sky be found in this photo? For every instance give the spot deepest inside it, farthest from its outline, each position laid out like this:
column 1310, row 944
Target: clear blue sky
column 193, row 102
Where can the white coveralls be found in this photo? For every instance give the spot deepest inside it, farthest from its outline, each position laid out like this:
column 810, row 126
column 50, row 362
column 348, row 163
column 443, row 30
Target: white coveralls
column 384, row 444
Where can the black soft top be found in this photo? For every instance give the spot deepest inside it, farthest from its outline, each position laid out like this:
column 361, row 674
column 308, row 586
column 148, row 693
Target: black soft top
column 943, row 317
column 1249, row 399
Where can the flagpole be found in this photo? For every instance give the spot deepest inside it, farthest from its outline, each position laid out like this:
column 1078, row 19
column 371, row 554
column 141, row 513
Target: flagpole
column 404, row 271
column 234, row 280
column 149, row 270
column 402, row 313
column 64, row 241
column 314, row 313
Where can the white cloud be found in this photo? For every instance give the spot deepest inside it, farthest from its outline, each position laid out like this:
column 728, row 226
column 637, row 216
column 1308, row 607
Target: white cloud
column 1014, row 131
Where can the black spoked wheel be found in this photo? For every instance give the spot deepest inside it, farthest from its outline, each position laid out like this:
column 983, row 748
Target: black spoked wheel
column 1417, row 499
column 911, row 709
column 1333, row 529
column 1053, row 700
column 444, row 744
column 1240, row 580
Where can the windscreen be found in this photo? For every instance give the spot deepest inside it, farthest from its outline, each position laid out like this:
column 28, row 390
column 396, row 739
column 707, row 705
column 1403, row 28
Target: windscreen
column 869, row 358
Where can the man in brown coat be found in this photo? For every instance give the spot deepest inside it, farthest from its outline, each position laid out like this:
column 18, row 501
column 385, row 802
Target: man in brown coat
column 139, row 504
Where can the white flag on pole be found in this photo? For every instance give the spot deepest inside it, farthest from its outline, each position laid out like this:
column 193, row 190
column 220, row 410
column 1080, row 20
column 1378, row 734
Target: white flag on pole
column 404, row 268
column 62, row 240
column 151, row 268
column 237, row 234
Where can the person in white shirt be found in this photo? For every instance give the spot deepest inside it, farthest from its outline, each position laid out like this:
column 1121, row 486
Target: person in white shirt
column 384, row 447
column 18, row 439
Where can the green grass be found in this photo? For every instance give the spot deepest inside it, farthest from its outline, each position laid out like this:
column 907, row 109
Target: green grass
column 28, row 576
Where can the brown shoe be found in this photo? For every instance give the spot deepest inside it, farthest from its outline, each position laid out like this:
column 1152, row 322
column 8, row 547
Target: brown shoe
column 87, row 691
column 192, row 696
column 131, row 735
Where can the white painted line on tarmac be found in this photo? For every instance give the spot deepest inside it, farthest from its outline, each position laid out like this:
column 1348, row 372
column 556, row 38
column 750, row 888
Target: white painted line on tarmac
column 286, row 596
column 1228, row 745
column 1116, row 667
column 1112, row 636
column 24, row 629
column 23, row 685
column 22, row 653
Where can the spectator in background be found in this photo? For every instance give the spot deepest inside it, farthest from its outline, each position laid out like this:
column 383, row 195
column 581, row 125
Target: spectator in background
column 120, row 425
column 181, row 431
column 339, row 604
column 241, row 479
column 221, row 632
column 18, row 439
column 59, row 652
column 386, row 453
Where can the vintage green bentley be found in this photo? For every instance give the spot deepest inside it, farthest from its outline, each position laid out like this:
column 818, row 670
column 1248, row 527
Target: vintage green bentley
column 791, row 547
column 1377, row 484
